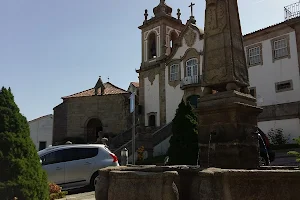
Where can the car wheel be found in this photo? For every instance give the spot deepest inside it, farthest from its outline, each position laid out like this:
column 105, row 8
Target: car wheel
column 263, row 161
column 92, row 181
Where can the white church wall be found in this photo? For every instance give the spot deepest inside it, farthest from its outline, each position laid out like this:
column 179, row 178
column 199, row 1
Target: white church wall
column 291, row 127
column 198, row 45
column 152, row 99
column 161, row 148
column 173, row 97
column 263, row 77
column 41, row 130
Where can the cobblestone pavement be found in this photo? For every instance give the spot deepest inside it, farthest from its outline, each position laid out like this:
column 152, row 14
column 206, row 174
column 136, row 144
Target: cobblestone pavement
column 80, row 196
column 282, row 159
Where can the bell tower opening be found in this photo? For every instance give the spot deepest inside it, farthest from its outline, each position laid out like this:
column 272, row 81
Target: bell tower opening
column 152, row 46
column 173, row 37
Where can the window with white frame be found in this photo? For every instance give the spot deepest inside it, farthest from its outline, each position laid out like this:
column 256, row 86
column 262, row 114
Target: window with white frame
column 192, row 67
column 174, row 72
column 254, row 55
column 280, row 48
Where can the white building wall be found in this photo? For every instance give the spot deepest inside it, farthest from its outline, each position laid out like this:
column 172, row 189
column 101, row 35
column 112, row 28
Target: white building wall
column 41, row 130
column 291, row 127
column 161, row 148
column 174, row 95
column 264, row 77
column 152, row 99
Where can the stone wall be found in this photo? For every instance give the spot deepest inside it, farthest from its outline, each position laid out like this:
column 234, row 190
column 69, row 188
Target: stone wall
column 194, row 183
column 280, row 111
column 72, row 116
column 60, row 119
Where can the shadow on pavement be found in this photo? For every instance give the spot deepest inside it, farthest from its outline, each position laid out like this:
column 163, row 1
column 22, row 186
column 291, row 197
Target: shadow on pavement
column 80, row 190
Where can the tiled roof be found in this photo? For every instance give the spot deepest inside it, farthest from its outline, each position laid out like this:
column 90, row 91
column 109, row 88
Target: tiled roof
column 284, row 22
column 40, row 118
column 109, row 90
column 135, row 84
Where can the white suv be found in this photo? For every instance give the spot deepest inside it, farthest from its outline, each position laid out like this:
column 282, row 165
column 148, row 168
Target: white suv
column 74, row 166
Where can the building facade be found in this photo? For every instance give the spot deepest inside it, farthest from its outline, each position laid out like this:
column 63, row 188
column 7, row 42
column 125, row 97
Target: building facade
column 273, row 59
column 41, row 131
column 102, row 111
column 171, row 70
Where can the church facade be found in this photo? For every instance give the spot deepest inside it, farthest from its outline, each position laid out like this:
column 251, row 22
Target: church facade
column 171, row 70
column 102, row 111
column 171, row 65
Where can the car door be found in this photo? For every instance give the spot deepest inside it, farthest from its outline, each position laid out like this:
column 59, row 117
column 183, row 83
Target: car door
column 80, row 165
column 54, row 166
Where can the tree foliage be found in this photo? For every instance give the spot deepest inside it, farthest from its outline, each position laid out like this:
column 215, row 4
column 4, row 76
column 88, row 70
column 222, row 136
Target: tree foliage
column 183, row 148
column 295, row 153
column 277, row 136
column 21, row 174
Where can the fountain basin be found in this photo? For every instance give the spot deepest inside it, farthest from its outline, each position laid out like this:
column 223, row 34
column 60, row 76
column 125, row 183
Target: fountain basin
column 194, row 183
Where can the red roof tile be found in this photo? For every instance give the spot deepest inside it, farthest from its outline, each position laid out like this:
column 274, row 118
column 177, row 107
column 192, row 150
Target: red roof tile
column 40, row 118
column 293, row 20
column 135, row 84
column 109, row 90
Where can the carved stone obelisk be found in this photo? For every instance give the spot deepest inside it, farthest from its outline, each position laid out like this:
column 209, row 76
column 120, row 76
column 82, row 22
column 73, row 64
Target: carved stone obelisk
column 227, row 119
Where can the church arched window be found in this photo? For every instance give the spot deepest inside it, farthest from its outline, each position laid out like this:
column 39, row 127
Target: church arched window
column 192, row 67
column 152, row 46
column 173, row 37
column 174, row 72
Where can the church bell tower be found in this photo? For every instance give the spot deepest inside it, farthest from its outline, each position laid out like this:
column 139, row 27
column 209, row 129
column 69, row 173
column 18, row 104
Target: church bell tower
column 159, row 33
column 158, row 36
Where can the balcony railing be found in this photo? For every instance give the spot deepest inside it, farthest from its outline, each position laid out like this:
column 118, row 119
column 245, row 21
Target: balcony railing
column 292, row 11
column 190, row 80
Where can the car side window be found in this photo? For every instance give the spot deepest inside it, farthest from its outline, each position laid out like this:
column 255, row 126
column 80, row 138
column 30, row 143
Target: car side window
column 70, row 154
column 88, row 152
column 52, row 158
column 79, row 153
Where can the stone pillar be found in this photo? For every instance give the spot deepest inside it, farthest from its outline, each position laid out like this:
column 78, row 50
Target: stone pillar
column 101, row 185
column 226, row 130
column 227, row 118
column 131, row 185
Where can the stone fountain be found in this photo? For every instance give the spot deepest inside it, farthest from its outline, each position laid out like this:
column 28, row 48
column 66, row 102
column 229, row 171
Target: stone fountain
column 226, row 134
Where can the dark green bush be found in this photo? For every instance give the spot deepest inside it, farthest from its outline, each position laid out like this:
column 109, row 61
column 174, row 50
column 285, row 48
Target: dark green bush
column 295, row 153
column 183, row 148
column 21, row 174
column 277, row 136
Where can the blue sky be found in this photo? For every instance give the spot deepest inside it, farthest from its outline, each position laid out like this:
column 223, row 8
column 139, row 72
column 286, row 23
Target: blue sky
column 53, row 48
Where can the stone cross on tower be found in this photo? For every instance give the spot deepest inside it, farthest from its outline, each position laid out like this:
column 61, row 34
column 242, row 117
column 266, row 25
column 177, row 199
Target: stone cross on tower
column 191, row 6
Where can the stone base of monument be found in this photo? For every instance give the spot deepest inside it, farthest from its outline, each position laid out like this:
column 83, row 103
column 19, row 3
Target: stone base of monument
column 226, row 130
column 194, row 183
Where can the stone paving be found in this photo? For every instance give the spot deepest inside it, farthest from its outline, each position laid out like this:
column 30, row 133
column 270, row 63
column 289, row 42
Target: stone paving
column 81, row 196
column 282, row 159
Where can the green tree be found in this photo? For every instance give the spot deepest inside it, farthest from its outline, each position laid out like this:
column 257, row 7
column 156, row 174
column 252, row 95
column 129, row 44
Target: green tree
column 183, row 148
column 295, row 153
column 21, row 174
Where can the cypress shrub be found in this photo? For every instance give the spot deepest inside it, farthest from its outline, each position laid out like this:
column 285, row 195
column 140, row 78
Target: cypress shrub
column 21, row 173
column 183, row 148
